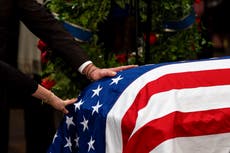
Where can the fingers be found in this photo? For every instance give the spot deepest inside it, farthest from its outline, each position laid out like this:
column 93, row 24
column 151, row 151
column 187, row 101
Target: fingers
column 121, row 68
column 109, row 72
column 70, row 101
column 65, row 111
column 112, row 71
column 67, row 102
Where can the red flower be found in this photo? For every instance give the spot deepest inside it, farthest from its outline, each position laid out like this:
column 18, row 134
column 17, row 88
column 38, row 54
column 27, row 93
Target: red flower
column 198, row 6
column 42, row 46
column 121, row 58
column 197, row 1
column 152, row 38
column 198, row 20
column 44, row 58
column 48, row 83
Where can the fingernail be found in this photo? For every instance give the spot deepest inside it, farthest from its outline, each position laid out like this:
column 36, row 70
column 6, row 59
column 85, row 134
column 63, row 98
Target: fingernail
column 114, row 73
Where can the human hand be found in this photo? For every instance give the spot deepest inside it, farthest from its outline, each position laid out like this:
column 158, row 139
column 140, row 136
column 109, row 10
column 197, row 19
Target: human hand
column 60, row 104
column 94, row 73
column 50, row 98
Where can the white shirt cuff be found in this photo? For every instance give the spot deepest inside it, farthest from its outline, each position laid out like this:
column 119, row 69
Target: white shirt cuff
column 81, row 68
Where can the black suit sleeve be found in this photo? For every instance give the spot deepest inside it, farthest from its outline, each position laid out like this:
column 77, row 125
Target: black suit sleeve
column 15, row 81
column 42, row 23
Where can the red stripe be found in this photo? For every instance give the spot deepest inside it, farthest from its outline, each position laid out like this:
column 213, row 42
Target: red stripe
column 169, row 82
column 178, row 124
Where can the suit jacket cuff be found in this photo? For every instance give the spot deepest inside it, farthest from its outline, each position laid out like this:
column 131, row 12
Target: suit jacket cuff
column 82, row 67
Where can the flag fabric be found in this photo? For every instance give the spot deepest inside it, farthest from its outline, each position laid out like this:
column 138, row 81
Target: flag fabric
column 177, row 107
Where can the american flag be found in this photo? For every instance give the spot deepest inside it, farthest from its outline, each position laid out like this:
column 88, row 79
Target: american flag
column 177, row 107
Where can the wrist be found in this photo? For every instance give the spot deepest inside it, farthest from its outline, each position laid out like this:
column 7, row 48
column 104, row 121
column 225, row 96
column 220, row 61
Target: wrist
column 43, row 94
column 83, row 66
column 48, row 98
column 88, row 71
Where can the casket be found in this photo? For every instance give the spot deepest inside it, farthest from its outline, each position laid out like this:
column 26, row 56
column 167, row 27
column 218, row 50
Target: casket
column 177, row 107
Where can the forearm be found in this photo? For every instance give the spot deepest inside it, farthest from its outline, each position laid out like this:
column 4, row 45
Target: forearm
column 43, row 94
column 46, row 27
column 50, row 98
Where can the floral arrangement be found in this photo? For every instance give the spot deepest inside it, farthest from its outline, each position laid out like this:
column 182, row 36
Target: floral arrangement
column 165, row 46
column 183, row 43
column 85, row 13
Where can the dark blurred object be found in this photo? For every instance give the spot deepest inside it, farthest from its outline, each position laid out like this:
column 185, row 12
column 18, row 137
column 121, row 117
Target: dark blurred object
column 214, row 15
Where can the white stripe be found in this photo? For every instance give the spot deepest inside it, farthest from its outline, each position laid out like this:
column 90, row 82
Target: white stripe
column 184, row 100
column 113, row 124
column 217, row 143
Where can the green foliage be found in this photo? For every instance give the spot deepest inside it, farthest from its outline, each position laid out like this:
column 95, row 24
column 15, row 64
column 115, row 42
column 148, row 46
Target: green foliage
column 175, row 46
column 96, row 53
column 178, row 45
column 170, row 46
column 67, row 81
column 86, row 13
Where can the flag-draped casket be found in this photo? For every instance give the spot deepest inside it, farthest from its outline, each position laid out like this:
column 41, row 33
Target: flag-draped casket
column 181, row 107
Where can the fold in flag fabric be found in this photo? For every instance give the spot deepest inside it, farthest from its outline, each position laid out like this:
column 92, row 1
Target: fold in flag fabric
column 177, row 107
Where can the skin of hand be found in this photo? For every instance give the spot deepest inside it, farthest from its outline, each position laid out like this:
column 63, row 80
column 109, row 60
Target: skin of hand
column 50, row 98
column 60, row 104
column 94, row 73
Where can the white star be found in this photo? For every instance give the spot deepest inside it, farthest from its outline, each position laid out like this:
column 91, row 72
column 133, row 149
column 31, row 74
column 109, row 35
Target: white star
column 69, row 121
column 68, row 143
column 90, row 143
column 78, row 105
column 115, row 80
column 77, row 141
column 96, row 107
column 96, row 91
column 55, row 136
column 85, row 124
